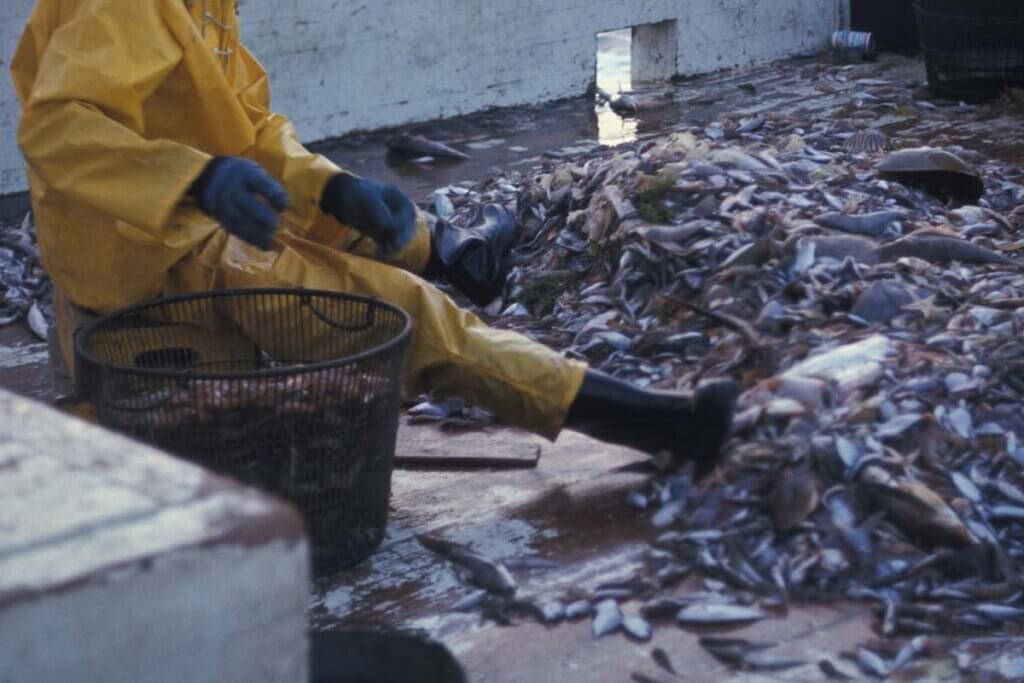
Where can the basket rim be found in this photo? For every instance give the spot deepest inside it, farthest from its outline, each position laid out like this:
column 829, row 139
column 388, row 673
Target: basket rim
column 399, row 339
column 966, row 18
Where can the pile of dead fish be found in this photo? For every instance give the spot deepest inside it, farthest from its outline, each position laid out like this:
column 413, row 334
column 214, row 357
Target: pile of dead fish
column 25, row 290
column 871, row 304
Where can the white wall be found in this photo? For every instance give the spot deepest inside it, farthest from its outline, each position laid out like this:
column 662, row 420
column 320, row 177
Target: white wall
column 343, row 65
column 13, row 14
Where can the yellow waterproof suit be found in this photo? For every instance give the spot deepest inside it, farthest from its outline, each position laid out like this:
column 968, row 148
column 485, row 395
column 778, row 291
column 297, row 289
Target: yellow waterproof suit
column 125, row 102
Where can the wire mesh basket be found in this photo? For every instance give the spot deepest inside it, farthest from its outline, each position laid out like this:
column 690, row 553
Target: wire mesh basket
column 974, row 49
column 294, row 391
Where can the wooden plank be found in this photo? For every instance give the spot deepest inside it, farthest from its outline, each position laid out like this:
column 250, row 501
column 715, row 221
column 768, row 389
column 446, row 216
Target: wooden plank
column 492, row 448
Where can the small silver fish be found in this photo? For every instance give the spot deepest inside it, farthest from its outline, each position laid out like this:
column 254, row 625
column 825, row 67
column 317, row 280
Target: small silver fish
column 871, row 664
column 37, row 322
column 580, row 609
column 607, row 619
column 718, row 614
column 869, row 224
column 637, row 628
column 553, row 612
column 443, row 206
column 471, row 602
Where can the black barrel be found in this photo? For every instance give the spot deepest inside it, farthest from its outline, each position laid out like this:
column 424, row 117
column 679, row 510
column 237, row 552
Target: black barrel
column 294, row 391
column 973, row 49
column 891, row 22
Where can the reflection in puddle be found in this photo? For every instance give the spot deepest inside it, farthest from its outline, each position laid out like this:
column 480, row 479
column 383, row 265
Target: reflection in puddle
column 614, row 76
column 612, row 129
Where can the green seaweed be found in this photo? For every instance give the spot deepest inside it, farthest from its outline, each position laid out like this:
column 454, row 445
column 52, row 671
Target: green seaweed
column 649, row 201
column 539, row 293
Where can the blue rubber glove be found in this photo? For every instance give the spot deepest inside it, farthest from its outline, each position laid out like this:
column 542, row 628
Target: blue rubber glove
column 381, row 212
column 232, row 190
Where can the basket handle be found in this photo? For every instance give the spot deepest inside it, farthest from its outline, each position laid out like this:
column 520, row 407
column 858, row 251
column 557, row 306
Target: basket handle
column 371, row 316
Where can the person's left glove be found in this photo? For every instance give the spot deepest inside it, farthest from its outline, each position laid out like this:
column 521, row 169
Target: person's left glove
column 232, row 190
column 381, row 212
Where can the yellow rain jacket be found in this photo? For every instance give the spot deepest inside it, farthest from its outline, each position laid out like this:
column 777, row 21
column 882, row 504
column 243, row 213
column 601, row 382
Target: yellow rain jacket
column 123, row 105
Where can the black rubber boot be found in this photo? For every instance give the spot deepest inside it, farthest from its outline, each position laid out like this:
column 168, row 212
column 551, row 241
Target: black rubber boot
column 692, row 427
column 473, row 257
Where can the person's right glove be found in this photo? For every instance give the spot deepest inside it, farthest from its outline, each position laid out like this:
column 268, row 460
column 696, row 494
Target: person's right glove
column 230, row 189
column 381, row 212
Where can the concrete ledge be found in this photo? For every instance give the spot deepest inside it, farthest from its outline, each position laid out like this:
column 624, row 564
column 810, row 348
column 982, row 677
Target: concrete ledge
column 120, row 563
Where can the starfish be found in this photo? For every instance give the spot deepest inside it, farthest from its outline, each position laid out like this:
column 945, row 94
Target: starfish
column 926, row 307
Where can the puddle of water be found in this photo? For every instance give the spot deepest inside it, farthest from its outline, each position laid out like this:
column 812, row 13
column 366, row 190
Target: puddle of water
column 614, row 76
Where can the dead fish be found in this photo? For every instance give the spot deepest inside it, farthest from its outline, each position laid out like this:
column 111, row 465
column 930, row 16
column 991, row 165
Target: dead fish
column 732, row 651
column 607, row 618
column 443, row 206
column 942, row 249
column 866, row 142
column 668, row 513
column 638, row 629
column 840, row 248
column 793, row 498
column 493, row 577
column 625, row 105
column 832, row 672
column 870, row 224
column 552, row 612
column 661, row 608
column 430, row 411
column 1007, row 512
column 411, row 145
column 871, row 664
column 530, row 563
column 752, row 125
column 765, row 661
column 638, row 677
column 581, row 609
column 909, row 652
column 996, row 612
column 662, row 659
column 37, row 322
column 708, row 614
column 471, row 602
column 966, row 487
column 881, row 302
column 919, row 510
column 670, row 237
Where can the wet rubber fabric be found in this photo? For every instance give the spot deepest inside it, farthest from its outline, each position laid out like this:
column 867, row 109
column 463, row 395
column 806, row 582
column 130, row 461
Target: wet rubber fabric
column 124, row 104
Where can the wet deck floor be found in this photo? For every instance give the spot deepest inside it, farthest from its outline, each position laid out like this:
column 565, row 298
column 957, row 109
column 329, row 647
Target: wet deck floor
column 570, row 508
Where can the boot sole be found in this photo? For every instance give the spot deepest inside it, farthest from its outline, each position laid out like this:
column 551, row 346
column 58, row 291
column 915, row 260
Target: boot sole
column 715, row 405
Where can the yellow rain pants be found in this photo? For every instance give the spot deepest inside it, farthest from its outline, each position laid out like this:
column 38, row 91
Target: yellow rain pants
column 123, row 105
